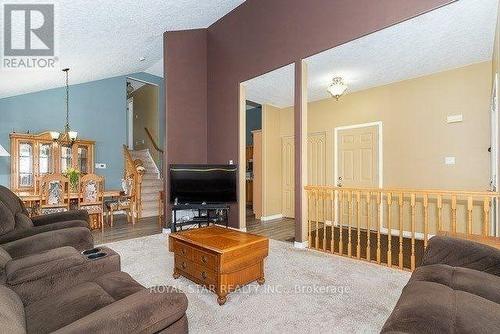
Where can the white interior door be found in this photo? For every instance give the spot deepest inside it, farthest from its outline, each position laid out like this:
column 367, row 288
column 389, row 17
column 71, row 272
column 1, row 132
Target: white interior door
column 288, row 176
column 357, row 156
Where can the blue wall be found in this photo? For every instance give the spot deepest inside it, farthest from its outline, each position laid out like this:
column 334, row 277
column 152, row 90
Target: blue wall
column 254, row 122
column 97, row 111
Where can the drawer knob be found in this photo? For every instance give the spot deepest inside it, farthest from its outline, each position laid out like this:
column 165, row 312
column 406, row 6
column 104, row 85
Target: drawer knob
column 183, row 251
column 183, row 265
column 204, row 275
column 204, row 259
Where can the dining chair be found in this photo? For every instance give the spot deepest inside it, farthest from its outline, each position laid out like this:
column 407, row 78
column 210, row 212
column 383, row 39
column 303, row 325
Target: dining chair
column 125, row 202
column 91, row 196
column 54, row 194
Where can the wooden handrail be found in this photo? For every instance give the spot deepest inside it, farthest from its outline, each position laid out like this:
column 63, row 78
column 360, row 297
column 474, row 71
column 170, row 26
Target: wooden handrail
column 490, row 194
column 153, row 141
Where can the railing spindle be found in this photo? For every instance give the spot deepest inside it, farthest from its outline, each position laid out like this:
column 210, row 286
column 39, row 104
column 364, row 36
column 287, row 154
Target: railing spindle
column 309, row 241
column 316, row 241
column 368, row 226
column 325, row 199
column 412, row 203
column 454, row 213
column 470, row 207
column 389, row 232
column 332, row 243
column 486, row 216
column 379, row 224
column 341, row 220
column 358, row 225
column 349, row 221
column 426, row 220
column 401, row 203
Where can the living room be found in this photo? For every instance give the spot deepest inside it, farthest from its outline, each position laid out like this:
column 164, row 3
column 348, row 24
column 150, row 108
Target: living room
column 109, row 230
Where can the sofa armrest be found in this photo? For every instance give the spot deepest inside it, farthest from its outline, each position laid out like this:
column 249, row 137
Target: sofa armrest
column 143, row 312
column 61, row 217
column 77, row 237
column 462, row 253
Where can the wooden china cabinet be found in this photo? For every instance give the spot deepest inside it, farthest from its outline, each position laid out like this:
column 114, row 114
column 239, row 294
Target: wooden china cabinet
column 35, row 155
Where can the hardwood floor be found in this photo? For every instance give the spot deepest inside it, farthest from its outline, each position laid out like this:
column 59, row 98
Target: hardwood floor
column 123, row 230
column 279, row 229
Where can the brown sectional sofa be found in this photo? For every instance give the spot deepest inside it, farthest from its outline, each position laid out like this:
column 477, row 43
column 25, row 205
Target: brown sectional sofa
column 455, row 290
column 52, row 280
column 112, row 303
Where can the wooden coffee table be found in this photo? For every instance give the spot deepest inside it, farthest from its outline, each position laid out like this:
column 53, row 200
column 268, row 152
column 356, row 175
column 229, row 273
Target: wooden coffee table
column 220, row 259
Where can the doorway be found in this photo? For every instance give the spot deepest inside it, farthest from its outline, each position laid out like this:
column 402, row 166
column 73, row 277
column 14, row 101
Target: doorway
column 358, row 156
column 143, row 125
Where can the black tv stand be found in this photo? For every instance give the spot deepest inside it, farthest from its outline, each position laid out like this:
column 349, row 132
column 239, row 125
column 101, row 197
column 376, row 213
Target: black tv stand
column 215, row 213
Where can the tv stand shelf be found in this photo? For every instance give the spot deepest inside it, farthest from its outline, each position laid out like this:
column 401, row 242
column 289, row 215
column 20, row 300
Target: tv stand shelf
column 215, row 213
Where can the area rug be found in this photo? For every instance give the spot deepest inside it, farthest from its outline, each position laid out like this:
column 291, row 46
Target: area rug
column 305, row 291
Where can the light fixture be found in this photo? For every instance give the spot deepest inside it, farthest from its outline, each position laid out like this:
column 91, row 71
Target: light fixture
column 67, row 133
column 337, row 88
column 54, row 135
column 3, row 152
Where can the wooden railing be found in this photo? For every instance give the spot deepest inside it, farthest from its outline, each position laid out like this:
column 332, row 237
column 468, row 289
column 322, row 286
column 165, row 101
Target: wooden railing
column 158, row 149
column 393, row 226
column 134, row 169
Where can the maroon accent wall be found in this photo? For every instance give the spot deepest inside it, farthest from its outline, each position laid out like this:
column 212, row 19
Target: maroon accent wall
column 255, row 38
column 185, row 56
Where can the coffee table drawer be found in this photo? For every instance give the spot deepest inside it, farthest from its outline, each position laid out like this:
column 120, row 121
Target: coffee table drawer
column 205, row 259
column 197, row 271
column 184, row 250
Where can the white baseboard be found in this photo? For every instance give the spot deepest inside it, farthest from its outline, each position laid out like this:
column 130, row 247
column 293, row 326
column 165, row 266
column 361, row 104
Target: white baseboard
column 273, row 217
column 300, row 245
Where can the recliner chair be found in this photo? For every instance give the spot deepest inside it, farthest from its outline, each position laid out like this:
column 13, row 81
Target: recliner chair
column 20, row 235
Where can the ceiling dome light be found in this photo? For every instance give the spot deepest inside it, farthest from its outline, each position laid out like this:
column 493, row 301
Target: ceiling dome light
column 337, row 88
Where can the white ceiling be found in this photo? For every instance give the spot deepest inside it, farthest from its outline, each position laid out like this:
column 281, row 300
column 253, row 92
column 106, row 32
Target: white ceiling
column 100, row 39
column 453, row 36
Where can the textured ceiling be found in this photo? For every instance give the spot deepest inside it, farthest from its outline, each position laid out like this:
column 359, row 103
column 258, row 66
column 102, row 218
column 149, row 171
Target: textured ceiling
column 453, row 36
column 100, row 39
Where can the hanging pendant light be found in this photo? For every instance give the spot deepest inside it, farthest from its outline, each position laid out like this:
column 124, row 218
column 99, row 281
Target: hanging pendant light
column 68, row 133
column 337, row 88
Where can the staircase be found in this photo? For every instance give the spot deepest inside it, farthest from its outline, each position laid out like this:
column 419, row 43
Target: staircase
column 151, row 185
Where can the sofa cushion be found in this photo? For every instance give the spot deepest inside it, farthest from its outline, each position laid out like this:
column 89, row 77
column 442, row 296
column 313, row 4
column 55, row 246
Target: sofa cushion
column 428, row 307
column 119, row 284
column 53, row 312
column 468, row 280
column 12, row 319
column 4, row 258
column 34, row 266
column 7, row 221
column 23, row 221
column 11, row 201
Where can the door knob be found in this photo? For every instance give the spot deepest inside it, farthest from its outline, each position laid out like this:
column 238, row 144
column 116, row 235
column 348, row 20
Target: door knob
column 339, row 181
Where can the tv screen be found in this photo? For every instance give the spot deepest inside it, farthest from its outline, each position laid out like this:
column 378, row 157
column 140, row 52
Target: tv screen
column 196, row 184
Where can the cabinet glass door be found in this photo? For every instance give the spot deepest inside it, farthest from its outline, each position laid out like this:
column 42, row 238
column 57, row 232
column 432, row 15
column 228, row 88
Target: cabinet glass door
column 25, row 164
column 83, row 159
column 66, row 158
column 45, row 159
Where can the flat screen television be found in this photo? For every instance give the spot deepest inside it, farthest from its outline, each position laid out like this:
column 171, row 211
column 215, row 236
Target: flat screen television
column 195, row 184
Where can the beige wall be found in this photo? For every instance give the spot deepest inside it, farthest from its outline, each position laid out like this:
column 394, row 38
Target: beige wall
column 271, row 158
column 416, row 137
column 146, row 115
